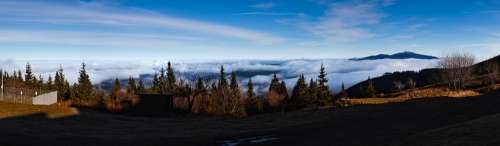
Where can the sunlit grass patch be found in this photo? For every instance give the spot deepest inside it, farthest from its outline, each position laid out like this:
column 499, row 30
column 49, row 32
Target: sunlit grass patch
column 8, row 110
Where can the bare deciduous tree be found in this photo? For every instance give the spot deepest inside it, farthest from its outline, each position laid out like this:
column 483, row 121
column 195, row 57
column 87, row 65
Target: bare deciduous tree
column 457, row 69
column 411, row 83
column 399, row 85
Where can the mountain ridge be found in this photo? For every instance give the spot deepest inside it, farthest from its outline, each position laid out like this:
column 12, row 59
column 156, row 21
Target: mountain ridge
column 400, row 55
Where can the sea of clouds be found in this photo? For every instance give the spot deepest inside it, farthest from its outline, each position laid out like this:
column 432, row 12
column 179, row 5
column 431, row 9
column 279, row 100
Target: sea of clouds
column 339, row 70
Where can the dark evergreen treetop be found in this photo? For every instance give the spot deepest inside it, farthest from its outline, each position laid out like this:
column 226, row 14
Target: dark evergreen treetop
column 85, row 90
column 28, row 76
column 283, row 90
column 222, row 80
column 233, row 81
column 200, row 86
column 141, row 88
column 171, row 80
column 275, row 84
column 323, row 81
column 132, row 86
column 116, row 88
column 300, row 90
column 250, row 92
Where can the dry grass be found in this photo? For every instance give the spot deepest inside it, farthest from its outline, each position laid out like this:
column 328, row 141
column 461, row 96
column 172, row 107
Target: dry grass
column 8, row 110
column 409, row 95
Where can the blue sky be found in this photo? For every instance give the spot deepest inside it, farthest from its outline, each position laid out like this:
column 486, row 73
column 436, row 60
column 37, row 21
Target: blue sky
column 260, row 29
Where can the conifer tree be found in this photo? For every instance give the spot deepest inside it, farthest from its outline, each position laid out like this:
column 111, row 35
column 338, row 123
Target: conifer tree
column 200, row 86
column 132, row 86
column 283, row 89
column 299, row 92
column 343, row 92
column 141, row 88
column 222, row 80
column 115, row 89
column 313, row 92
column 323, row 90
column 171, row 80
column 156, row 84
column 20, row 76
column 370, row 89
column 84, row 89
column 60, row 84
column 162, row 82
column 275, row 84
column 233, row 82
column 28, row 76
column 50, row 83
column 250, row 92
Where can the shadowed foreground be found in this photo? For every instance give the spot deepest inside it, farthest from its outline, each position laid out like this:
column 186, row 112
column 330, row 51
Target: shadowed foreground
column 383, row 124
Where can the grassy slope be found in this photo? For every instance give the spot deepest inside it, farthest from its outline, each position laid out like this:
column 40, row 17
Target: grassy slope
column 9, row 110
column 483, row 131
column 381, row 124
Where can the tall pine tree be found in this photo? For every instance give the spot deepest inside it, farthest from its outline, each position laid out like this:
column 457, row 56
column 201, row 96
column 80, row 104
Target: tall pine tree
column 250, row 92
column 370, row 89
column 343, row 92
column 299, row 92
column 233, row 82
column 222, row 79
column 132, row 86
column 275, row 84
column 171, row 80
column 84, row 89
column 313, row 92
column 141, row 88
column 115, row 89
column 162, row 79
column 323, row 90
column 28, row 76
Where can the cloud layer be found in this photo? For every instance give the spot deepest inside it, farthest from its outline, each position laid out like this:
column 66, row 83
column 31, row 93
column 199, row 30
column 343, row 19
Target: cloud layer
column 339, row 70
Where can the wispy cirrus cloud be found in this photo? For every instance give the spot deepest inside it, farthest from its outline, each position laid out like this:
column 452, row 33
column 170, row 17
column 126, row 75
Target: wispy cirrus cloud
column 263, row 5
column 96, row 14
column 269, row 13
column 348, row 21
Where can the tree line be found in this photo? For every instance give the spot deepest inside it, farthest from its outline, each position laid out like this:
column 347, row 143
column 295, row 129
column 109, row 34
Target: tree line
column 221, row 96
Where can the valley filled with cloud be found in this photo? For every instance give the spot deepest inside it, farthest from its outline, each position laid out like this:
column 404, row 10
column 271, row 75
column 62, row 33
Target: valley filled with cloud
column 261, row 71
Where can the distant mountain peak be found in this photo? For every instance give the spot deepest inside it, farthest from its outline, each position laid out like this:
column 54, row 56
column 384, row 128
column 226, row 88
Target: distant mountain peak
column 400, row 55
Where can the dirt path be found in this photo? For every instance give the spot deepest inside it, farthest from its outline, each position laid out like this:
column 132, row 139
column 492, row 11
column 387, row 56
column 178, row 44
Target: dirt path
column 362, row 125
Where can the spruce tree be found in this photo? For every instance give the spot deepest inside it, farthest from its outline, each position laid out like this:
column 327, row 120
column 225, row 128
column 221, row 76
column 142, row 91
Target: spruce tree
column 171, row 80
column 233, row 82
column 299, row 92
column 343, row 92
column 250, row 92
column 275, row 84
column 50, row 83
column 141, row 88
column 162, row 82
column 370, row 89
column 20, row 76
column 115, row 89
column 132, row 86
column 222, row 79
column 60, row 85
column 84, row 90
column 156, row 84
column 323, row 90
column 200, row 86
column 283, row 89
column 313, row 92
column 28, row 76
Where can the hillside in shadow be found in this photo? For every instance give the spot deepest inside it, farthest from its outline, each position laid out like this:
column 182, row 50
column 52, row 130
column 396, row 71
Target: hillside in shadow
column 381, row 124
